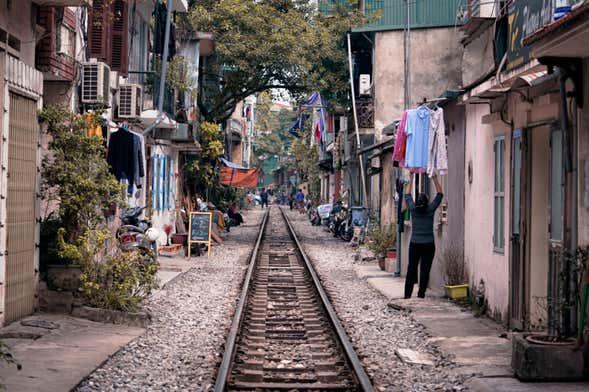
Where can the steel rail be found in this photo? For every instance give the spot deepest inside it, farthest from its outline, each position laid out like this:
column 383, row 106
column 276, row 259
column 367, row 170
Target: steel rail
column 352, row 357
column 225, row 368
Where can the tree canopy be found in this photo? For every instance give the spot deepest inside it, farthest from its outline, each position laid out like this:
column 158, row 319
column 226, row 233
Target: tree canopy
column 266, row 44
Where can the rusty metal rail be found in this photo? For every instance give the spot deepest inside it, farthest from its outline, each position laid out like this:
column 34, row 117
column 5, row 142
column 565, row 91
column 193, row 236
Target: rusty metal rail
column 285, row 334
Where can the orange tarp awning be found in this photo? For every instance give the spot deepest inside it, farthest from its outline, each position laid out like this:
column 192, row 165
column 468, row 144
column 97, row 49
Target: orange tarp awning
column 245, row 178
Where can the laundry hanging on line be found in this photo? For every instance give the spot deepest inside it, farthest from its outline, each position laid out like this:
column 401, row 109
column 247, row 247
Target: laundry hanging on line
column 125, row 157
column 420, row 144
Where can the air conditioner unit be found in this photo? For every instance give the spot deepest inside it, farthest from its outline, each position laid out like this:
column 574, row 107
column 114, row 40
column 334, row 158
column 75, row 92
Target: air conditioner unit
column 130, row 100
column 95, row 83
column 365, row 87
column 114, row 80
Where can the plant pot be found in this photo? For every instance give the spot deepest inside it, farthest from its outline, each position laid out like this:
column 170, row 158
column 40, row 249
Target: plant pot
column 63, row 277
column 548, row 340
column 381, row 262
column 541, row 362
column 456, row 291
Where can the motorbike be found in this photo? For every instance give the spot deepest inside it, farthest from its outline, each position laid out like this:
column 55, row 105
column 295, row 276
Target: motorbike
column 314, row 217
column 137, row 234
column 344, row 228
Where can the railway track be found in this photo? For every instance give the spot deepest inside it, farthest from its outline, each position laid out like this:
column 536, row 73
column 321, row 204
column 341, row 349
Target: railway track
column 285, row 334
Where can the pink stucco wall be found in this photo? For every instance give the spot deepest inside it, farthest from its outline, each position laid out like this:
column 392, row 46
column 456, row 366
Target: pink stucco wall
column 482, row 261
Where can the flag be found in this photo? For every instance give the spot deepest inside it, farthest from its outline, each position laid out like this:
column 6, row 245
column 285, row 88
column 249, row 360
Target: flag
column 317, row 133
column 316, row 100
column 298, row 125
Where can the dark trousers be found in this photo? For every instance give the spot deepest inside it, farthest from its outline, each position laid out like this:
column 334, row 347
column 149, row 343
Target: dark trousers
column 420, row 256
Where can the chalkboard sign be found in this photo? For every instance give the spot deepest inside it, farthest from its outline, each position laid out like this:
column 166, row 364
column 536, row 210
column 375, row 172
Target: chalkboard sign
column 199, row 229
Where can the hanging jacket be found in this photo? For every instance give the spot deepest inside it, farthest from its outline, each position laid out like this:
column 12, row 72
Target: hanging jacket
column 437, row 160
column 138, row 168
column 120, row 155
column 401, row 142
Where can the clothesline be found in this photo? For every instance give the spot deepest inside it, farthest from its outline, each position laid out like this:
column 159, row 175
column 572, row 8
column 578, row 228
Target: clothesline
column 420, row 145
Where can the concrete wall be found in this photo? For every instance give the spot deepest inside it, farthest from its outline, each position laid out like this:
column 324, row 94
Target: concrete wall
column 583, row 131
column 436, row 56
column 17, row 21
column 387, row 189
column 482, row 261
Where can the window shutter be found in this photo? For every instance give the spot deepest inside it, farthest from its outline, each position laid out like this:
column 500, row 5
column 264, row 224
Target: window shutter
column 98, row 29
column 119, row 56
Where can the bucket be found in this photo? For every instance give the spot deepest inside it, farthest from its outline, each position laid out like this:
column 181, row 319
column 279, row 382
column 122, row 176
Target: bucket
column 358, row 216
column 561, row 9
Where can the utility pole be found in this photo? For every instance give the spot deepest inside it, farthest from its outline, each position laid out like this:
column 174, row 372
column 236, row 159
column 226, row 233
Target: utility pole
column 406, row 105
column 354, row 112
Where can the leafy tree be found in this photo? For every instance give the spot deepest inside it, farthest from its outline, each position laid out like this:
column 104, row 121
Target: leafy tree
column 306, row 158
column 75, row 174
column 200, row 172
column 268, row 44
column 273, row 126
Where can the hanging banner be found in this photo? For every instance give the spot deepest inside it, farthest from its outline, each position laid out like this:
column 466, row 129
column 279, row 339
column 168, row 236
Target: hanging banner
column 244, row 178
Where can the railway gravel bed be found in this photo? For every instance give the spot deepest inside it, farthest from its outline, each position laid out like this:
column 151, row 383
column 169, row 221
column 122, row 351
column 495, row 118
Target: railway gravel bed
column 182, row 346
column 286, row 340
column 375, row 329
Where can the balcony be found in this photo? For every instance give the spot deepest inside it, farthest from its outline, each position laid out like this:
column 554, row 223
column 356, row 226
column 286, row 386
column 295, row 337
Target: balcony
column 365, row 112
column 64, row 3
column 55, row 52
column 479, row 16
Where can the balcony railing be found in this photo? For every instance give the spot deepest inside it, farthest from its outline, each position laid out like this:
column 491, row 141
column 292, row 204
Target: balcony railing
column 64, row 3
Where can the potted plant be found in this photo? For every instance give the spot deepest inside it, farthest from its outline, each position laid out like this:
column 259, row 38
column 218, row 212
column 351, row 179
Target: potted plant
column 382, row 241
column 454, row 270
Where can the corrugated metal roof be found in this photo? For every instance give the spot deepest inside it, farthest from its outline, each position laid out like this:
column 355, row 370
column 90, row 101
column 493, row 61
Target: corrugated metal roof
column 390, row 14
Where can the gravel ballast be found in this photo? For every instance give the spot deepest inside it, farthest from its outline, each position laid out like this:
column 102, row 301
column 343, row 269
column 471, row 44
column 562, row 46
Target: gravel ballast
column 376, row 329
column 182, row 346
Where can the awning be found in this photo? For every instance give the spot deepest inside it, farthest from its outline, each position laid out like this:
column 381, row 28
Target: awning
column 243, row 178
column 529, row 74
column 148, row 117
column 231, row 164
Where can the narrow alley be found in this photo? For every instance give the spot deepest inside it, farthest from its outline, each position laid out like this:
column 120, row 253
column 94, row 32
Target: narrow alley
column 262, row 195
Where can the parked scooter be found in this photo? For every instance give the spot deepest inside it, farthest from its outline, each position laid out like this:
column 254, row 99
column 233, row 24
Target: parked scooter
column 345, row 230
column 314, row 217
column 137, row 234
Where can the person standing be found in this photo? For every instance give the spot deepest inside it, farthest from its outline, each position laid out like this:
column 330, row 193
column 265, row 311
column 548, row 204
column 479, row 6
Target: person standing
column 422, row 247
column 264, row 198
column 300, row 200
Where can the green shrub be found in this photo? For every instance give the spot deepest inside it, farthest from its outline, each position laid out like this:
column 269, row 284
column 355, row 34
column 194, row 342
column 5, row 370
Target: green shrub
column 119, row 282
column 382, row 239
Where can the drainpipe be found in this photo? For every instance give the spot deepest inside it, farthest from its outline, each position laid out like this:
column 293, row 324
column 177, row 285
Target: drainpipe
column 569, row 315
column 160, row 106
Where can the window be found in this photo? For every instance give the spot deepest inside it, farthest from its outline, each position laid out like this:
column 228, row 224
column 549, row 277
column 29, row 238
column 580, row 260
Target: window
column 499, row 196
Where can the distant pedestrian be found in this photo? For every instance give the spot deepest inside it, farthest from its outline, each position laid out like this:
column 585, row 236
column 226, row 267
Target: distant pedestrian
column 422, row 247
column 264, row 197
column 300, row 201
column 291, row 202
